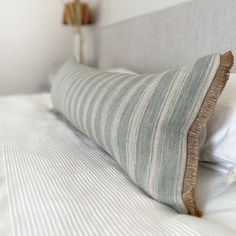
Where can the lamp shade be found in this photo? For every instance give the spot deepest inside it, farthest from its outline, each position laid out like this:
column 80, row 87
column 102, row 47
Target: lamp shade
column 70, row 16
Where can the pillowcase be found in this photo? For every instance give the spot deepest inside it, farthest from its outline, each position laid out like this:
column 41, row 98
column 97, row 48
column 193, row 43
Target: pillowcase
column 220, row 143
column 202, row 137
column 149, row 123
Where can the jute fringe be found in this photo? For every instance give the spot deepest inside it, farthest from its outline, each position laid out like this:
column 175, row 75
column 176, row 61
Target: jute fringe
column 217, row 86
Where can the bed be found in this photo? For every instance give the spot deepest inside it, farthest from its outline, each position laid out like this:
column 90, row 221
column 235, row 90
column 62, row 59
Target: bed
column 48, row 170
column 54, row 180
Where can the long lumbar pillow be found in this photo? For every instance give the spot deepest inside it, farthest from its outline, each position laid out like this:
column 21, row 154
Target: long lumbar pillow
column 149, row 123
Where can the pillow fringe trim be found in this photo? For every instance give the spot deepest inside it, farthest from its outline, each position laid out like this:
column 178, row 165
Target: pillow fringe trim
column 215, row 90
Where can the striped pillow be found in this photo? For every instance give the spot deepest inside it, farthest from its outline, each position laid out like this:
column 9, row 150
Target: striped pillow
column 149, row 123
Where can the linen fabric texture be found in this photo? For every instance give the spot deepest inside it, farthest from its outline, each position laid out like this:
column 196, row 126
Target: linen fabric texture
column 150, row 124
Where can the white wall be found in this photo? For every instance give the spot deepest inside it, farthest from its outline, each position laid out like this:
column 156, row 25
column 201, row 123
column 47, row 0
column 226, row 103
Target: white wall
column 115, row 11
column 32, row 40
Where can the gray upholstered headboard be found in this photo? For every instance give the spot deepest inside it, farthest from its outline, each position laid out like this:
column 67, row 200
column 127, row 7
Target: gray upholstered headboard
column 169, row 38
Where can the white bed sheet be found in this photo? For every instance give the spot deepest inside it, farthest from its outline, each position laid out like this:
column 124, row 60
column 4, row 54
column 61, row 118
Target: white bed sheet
column 55, row 181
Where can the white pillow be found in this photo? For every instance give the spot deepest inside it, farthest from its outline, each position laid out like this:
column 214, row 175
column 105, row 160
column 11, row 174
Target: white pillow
column 220, row 143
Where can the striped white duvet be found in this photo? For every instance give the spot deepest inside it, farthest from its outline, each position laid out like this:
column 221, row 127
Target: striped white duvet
column 54, row 181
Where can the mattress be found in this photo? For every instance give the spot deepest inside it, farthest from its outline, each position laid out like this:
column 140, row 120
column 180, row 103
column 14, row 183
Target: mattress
column 55, row 181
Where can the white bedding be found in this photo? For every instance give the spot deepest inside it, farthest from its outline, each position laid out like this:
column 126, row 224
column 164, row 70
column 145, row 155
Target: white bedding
column 54, row 181
column 219, row 147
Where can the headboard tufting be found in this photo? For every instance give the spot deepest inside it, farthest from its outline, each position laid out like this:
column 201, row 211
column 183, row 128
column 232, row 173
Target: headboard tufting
column 169, row 38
